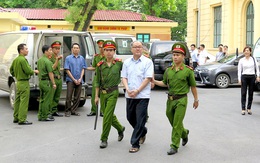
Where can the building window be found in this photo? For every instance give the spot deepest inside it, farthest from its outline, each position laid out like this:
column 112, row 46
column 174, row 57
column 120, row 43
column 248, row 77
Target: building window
column 250, row 25
column 143, row 37
column 217, row 26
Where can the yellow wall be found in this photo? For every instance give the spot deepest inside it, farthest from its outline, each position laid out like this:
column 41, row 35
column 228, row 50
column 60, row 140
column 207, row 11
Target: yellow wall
column 233, row 22
column 157, row 30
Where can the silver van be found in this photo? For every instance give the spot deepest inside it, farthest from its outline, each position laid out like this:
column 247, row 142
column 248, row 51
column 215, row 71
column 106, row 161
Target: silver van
column 35, row 39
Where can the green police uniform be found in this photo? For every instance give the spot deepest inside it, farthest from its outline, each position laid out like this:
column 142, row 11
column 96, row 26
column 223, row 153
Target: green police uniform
column 22, row 71
column 46, row 95
column 107, row 80
column 58, row 82
column 179, row 82
column 97, row 59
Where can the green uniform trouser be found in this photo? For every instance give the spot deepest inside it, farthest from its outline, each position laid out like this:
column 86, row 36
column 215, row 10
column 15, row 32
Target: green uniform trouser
column 56, row 96
column 21, row 101
column 175, row 112
column 94, row 106
column 46, row 97
column 109, row 119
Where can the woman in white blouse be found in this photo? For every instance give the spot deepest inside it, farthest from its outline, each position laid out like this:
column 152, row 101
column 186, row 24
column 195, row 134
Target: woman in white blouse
column 248, row 73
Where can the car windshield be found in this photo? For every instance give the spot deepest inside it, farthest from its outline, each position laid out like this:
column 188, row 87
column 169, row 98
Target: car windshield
column 160, row 48
column 227, row 59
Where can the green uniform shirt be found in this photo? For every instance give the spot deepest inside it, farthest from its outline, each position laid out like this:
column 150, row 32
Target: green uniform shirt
column 179, row 81
column 20, row 68
column 44, row 66
column 97, row 58
column 110, row 76
column 56, row 71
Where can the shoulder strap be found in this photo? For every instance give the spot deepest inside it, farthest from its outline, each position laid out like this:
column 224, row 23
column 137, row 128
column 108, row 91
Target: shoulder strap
column 254, row 65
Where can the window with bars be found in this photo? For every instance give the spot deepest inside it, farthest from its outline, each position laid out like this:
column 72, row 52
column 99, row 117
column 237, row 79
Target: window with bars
column 217, row 25
column 250, row 25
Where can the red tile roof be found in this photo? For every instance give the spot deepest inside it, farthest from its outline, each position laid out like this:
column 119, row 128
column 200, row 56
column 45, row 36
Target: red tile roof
column 3, row 10
column 99, row 15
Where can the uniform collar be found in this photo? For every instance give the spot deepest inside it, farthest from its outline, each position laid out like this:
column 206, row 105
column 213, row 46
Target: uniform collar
column 181, row 68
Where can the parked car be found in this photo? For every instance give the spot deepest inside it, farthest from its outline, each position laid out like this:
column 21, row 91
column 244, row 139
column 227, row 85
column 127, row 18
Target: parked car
column 161, row 54
column 221, row 73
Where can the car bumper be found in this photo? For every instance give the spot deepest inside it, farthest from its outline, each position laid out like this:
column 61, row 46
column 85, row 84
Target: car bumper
column 203, row 78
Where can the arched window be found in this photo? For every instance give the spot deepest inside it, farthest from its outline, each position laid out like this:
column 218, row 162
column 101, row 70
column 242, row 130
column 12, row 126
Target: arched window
column 250, row 25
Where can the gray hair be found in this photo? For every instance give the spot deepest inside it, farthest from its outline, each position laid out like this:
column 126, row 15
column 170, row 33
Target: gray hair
column 135, row 42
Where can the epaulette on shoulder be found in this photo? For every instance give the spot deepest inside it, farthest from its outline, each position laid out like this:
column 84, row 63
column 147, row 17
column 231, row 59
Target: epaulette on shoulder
column 100, row 63
column 118, row 60
column 189, row 67
column 96, row 55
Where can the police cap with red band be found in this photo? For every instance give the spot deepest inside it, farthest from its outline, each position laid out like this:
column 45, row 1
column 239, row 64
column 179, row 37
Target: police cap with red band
column 109, row 44
column 179, row 48
column 56, row 44
column 100, row 42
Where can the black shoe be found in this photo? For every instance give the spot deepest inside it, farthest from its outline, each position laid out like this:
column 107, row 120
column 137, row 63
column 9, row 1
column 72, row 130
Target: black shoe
column 185, row 140
column 103, row 144
column 91, row 114
column 172, row 151
column 25, row 123
column 121, row 134
column 15, row 121
column 47, row 119
column 101, row 114
column 57, row 114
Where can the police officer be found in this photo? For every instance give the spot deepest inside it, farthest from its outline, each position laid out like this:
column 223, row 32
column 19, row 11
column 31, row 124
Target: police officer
column 97, row 58
column 46, row 84
column 179, row 79
column 22, row 71
column 55, row 59
column 108, row 78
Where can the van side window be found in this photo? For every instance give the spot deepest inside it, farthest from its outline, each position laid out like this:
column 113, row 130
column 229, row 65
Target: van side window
column 123, row 46
column 91, row 48
column 8, row 47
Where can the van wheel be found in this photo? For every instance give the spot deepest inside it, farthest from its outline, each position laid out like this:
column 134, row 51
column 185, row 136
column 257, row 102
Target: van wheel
column 82, row 103
column 12, row 94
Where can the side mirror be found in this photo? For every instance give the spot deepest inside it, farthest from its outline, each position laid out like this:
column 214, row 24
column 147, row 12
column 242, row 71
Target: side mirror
column 236, row 63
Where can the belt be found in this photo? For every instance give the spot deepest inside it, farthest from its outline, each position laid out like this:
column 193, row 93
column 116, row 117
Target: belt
column 57, row 76
column 23, row 80
column 108, row 90
column 176, row 97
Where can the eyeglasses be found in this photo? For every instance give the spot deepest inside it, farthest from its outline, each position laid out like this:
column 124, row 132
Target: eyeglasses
column 137, row 47
column 109, row 50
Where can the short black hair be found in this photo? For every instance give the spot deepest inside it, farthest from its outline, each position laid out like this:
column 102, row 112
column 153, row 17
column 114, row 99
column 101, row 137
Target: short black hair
column 193, row 45
column 74, row 44
column 45, row 48
column 20, row 47
column 202, row 45
column 220, row 45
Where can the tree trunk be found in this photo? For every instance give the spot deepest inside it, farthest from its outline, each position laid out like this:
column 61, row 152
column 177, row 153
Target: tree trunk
column 82, row 13
column 89, row 17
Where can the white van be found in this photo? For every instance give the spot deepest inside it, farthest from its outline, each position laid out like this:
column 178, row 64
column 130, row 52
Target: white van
column 122, row 41
column 35, row 39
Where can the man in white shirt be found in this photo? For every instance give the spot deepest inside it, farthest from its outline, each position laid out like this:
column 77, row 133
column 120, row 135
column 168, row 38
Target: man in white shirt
column 202, row 55
column 194, row 53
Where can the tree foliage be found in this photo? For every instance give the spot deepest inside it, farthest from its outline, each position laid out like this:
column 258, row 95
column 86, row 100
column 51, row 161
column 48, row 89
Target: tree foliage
column 81, row 13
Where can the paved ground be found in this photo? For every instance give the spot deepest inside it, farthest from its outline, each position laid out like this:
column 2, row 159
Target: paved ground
column 218, row 133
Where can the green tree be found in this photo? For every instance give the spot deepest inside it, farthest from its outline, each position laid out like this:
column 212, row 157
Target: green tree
column 81, row 13
column 179, row 15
